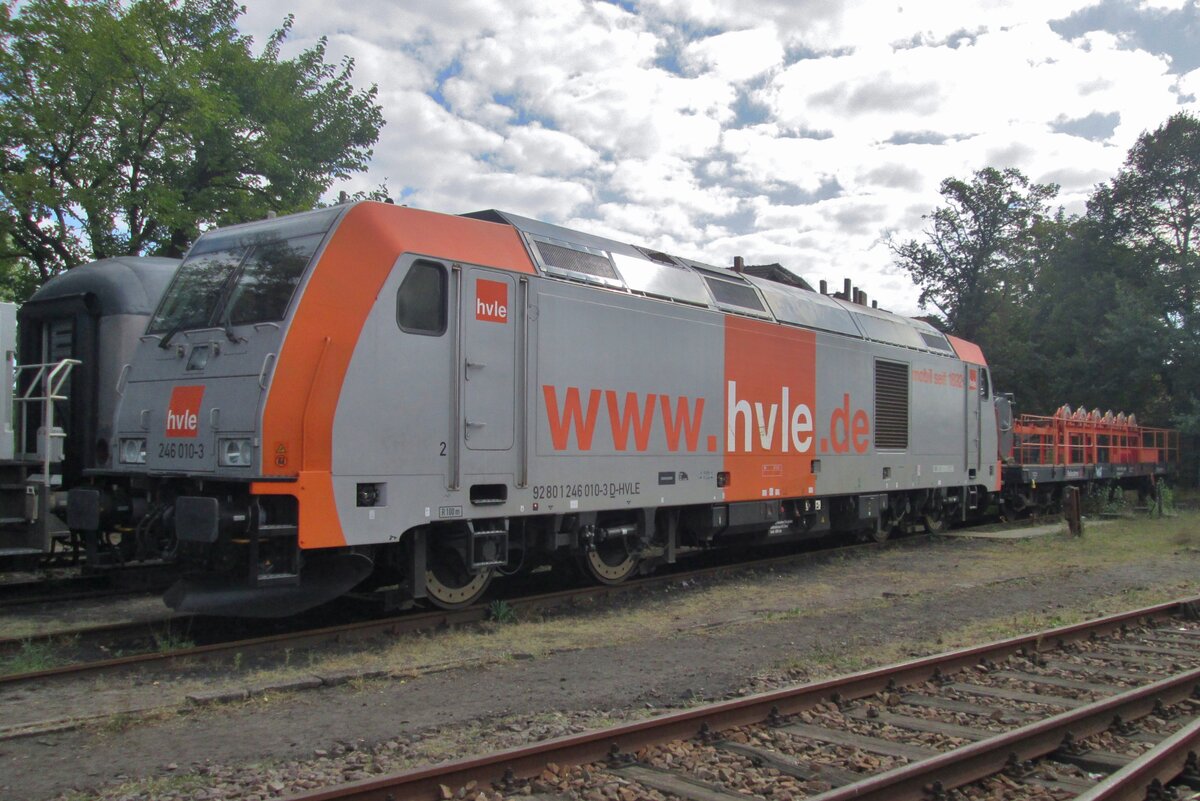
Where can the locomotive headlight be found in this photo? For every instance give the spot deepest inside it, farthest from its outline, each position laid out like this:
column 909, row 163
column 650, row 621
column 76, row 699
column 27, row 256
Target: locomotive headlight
column 133, row 451
column 235, row 452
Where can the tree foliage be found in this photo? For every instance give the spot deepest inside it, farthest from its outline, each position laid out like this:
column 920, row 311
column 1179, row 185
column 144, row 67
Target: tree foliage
column 1100, row 310
column 1153, row 209
column 979, row 247
column 126, row 128
column 1155, row 205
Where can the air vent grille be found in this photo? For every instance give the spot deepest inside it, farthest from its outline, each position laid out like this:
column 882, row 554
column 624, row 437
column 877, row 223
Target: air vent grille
column 935, row 341
column 891, row 406
column 732, row 294
column 577, row 261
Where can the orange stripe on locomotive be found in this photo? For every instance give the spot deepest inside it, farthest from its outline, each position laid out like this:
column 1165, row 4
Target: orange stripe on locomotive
column 325, row 329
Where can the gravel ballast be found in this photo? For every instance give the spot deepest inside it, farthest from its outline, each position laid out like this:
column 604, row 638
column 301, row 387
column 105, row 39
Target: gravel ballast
column 759, row 632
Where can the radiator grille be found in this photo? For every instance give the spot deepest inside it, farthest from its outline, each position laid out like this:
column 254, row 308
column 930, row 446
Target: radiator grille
column 891, row 406
column 576, row 261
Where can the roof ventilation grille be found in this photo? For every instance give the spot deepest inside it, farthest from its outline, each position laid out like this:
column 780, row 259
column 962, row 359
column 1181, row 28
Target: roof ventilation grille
column 576, row 261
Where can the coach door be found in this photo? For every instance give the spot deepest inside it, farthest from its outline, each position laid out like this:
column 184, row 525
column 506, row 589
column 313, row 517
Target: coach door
column 491, row 321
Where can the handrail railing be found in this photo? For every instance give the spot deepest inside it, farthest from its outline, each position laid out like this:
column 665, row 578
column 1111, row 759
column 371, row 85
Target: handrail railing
column 41, row 383
column 1091, row 439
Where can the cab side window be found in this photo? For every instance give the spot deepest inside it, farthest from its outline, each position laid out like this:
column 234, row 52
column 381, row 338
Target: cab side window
column 421, row 300
column 984, row 389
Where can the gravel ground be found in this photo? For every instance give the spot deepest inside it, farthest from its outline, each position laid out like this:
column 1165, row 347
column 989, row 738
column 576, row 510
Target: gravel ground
column 794, row 625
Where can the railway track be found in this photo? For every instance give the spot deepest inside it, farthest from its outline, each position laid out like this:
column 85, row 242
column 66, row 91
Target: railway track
column 71, row 585
column 1108, row 709
column 153, row 639
column 174, row 641
column 75, row 586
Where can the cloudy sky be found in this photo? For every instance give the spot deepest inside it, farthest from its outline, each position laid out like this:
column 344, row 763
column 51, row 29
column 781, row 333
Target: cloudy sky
column 797, row 131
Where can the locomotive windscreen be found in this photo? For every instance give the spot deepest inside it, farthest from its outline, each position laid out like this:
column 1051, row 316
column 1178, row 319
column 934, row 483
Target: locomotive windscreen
column 242, row 275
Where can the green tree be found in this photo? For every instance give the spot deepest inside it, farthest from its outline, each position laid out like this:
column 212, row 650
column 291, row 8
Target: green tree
column 1152, row 208
column 17, row 278
column 979, row 248
column 127, row 128
column 1155, row 203
column 1096, row 339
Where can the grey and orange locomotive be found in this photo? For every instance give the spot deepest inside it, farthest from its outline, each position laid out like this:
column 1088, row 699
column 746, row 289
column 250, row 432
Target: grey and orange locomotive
column 373, row 398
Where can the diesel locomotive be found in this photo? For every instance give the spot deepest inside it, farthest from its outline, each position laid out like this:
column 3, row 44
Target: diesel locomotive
column 375, row 398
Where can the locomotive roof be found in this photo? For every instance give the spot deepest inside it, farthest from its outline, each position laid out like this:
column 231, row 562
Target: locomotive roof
column 567, row 254
column 120, row 285
column 575, row 255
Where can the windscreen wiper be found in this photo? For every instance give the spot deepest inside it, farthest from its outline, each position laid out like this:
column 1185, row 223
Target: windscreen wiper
column 232, row 336
column 166, row 340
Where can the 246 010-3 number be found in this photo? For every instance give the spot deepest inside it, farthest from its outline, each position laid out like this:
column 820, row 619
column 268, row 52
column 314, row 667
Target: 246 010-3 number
column 181, row 450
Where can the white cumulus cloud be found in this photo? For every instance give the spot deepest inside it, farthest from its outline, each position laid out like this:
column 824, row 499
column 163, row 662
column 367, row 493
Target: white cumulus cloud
column 797, row 131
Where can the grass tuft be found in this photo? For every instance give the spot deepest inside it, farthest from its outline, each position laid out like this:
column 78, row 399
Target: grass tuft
column 500, row 612
column 33, row 656
column 171, row 641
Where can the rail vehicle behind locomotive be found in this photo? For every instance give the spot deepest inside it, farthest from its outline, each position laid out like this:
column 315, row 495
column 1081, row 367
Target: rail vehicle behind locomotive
column 1043, row 454
column 373, row 397
column 75, row 335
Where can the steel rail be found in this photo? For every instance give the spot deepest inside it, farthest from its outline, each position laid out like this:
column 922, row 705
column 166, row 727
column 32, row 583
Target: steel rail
column 387, row 627
column 1162, row 764
column 594, row 746
column 988, row 757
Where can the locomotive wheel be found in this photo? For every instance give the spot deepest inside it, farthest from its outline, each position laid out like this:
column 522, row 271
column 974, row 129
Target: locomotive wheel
column 448, row 582
column 610, row 562
column 934, row 523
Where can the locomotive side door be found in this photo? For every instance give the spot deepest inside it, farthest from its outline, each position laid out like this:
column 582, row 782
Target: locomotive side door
column 973, row 419
column 490, row 319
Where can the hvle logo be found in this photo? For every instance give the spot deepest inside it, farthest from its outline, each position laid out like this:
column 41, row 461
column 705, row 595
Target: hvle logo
column 183, row 413
column 491, row 301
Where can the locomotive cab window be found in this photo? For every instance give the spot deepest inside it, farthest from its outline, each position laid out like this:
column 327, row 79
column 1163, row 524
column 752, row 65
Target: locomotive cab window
column 268, row 279
column 984, row 393
column 244, row 275
column 421, row 300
